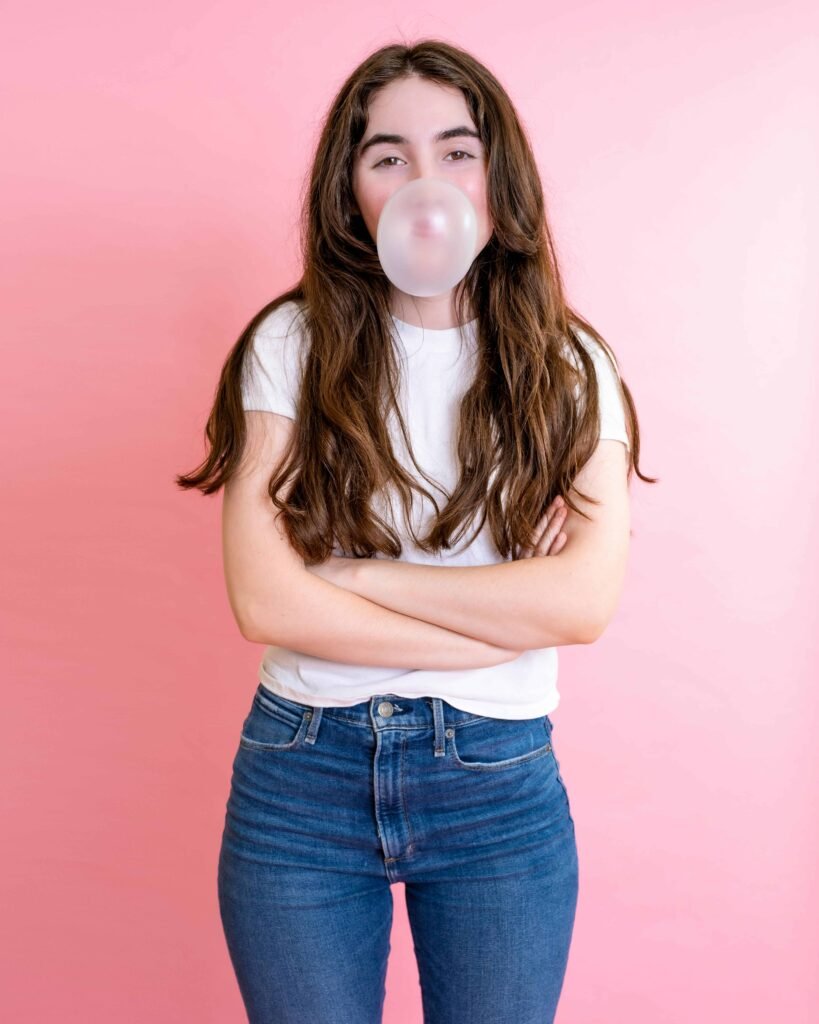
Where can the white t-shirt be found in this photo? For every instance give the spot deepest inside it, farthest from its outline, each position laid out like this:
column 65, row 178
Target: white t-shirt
column 437, row 368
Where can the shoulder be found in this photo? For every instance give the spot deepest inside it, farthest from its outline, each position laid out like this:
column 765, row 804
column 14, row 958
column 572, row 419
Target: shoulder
column 287, row 320
column 272, row 374
column 608, row 384
column 608, row 381
column 604, row 359
column 279, row 337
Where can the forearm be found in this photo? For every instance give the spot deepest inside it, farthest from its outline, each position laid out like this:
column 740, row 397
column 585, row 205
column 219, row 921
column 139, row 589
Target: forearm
column 524, row 604
column 328, row 621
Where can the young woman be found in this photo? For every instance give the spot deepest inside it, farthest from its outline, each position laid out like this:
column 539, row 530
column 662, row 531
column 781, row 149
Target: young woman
column 400, row 728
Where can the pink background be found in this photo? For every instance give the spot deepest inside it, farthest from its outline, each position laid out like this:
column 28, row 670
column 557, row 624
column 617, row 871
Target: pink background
column 151, row 176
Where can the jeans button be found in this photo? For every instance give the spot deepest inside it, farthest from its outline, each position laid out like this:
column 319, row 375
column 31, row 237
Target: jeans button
column 385, row 709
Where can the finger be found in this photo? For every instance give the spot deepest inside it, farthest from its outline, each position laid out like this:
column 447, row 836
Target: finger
column 544, row 541
column 550, row 533
column 552, row 510
column 557, row 544
column 556, row 505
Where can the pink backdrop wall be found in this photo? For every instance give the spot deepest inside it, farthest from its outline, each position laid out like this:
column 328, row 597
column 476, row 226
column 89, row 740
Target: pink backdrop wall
column 153, row 160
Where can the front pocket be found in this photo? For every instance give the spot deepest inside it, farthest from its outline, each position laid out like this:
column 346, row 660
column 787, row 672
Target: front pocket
column 494, row 744
column 272, row 726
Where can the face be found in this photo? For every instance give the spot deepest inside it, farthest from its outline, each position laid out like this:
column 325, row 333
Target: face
column 417, row 109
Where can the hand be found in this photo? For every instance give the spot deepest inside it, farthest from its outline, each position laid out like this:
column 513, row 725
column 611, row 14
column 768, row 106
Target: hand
column 550, row 541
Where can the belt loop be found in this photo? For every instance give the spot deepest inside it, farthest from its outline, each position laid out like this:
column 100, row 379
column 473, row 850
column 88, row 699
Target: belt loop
column 314, row 715
column 438, row 716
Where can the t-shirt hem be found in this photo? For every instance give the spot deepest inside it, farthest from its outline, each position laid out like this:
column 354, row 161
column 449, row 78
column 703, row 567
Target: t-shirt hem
column 534, row 709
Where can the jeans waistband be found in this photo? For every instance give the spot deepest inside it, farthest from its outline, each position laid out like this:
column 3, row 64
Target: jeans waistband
column 383, row 712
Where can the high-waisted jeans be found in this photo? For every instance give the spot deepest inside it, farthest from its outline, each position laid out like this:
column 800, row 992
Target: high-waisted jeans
column 330, row 806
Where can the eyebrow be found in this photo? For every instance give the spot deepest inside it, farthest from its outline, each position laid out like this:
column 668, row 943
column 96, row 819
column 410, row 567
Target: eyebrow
column 462, row 131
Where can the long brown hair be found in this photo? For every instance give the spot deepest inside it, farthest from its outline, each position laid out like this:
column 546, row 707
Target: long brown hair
column 529, row 421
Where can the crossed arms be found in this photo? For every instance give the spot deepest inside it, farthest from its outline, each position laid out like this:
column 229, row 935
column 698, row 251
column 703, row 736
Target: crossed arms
column 385, row 612
column 524, row 604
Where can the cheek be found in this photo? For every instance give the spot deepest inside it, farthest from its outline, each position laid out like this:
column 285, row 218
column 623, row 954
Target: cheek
column 478, row 197
column 372, row 201
column 476, row 190
column 376, row 203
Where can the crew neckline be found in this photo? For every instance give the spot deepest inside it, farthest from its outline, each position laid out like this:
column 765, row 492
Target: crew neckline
column 435, row 337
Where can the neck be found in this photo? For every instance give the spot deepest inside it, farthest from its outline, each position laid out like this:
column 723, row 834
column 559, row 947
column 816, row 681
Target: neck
column 435, row 313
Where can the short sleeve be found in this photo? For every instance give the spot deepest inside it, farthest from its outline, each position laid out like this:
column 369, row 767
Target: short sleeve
column 274, row 362
column 612, row 412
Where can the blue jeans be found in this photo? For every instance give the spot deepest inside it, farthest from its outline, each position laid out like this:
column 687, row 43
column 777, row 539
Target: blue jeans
column 329, row 806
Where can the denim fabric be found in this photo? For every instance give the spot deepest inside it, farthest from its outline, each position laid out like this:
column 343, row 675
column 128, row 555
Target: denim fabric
column 330, row 806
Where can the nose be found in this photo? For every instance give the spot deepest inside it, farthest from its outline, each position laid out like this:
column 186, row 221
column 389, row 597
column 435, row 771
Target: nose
column 424, row 169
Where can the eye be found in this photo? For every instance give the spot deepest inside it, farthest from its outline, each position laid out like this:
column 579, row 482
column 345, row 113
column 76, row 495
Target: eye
column 454, row 151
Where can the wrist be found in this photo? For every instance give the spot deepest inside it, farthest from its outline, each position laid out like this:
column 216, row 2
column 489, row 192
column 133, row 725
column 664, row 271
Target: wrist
column 342, row 571
column 352, row 569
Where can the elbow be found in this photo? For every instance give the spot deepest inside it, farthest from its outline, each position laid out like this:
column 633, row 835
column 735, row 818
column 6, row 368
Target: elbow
column 279, row 617
column 268, row 623
column 592, row 604
column 594, row 625
column 253, row 626
column 243, row 614
column 249, row 634
column 589, row 633
column 243, row 619
column 247, row 627
column 572, row 631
